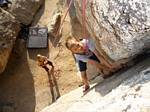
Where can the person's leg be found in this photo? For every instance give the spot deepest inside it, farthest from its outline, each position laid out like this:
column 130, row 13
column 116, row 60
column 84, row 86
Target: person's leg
column 84, row 78
column 102, row 68
column 82, row 69
column 111, row 69
column 85, row 81
column 96, row 62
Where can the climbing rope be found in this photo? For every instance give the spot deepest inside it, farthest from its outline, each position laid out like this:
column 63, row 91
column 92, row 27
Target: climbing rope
column 84, row 34
column 84, row 18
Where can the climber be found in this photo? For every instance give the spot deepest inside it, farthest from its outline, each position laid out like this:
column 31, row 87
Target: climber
column 84, row 52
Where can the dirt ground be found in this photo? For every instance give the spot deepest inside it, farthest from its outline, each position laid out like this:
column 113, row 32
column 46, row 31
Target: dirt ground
column 24, row 86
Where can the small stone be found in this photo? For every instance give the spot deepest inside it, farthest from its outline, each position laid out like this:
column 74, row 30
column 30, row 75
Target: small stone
column 137, row 87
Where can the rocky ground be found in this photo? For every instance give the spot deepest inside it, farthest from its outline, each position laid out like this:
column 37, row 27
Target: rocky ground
column 126, row 91
column 24, row 87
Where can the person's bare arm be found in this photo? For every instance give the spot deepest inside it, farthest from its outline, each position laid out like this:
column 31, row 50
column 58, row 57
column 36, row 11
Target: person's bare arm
column 102, row 60
column 50, row 63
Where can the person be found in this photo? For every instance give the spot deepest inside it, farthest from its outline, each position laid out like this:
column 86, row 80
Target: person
column 43, row 61
column 85, row 52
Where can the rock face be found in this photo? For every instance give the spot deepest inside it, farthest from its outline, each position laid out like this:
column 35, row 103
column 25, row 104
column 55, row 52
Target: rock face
column 121, row 29
column 54, row 25
column 126, row 92
column 22, row 11
column 25, row 10
column 9, row 29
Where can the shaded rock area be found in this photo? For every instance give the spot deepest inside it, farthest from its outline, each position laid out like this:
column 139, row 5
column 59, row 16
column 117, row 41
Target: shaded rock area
column 121, row 29
column 25, row 10
column 17, row 12
column 126, row 91
column 9, row 29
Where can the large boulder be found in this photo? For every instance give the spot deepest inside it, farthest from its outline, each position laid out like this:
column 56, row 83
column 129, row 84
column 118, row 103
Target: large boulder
column 25, row 10
column 9, row 29
column 121, row 29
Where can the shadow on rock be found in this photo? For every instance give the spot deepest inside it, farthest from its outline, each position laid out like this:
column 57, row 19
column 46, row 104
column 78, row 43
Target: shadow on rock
column 17, row 92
